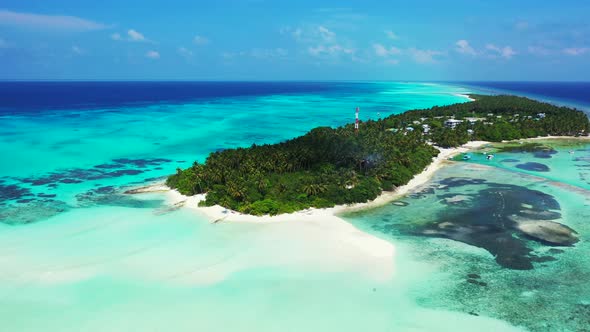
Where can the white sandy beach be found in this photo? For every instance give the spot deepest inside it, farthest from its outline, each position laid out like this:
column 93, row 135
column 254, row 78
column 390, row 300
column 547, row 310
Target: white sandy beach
column 465, row 96
column 342, row 246
column 176, row 266
column 557, row 138
column 219, row 213
column 353, row 248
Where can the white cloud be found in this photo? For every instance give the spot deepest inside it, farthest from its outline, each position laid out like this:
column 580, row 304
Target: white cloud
column 505, row 52
column 508, row 52
column 575, row 51
column 135, row 35
column 153, row 55
column 326, row 34
column 382, row 51
column 317, row 50
column 58, row 22
column 77, row 50
column 464, row 47
column 322, row 43
column 331, row 50
column 391, row 35
column 200, row 40
column 424, row 56
column 184, row 52
column 310, row 34
column 132, row 35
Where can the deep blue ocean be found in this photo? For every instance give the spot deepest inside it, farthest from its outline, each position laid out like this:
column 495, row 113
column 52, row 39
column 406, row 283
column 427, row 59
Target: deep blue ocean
column 30, row 96
column 573, row 94
column 77, row 253
column 19, row 97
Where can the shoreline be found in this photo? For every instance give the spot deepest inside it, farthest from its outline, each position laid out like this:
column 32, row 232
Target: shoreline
column 465, row 96
column 355, row 247
column 218, row 213
column 540, row 138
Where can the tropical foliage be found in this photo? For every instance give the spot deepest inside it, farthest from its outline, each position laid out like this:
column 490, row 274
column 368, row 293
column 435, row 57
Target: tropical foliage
column 330, row 166
column 498, row 118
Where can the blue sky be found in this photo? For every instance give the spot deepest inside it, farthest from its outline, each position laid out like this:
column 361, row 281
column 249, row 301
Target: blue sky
column 295, row 40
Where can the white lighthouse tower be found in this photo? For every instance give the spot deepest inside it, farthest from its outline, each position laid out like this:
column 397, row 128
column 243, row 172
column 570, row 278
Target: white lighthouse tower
column 356, row 121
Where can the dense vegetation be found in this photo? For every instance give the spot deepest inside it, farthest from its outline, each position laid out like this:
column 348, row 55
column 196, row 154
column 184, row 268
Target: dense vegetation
column 330, row 166
column 499, row 118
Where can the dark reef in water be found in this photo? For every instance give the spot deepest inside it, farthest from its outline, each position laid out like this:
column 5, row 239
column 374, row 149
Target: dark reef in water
column 13, row 192
column 142, row 163
column 119, row 167
column 545, row 154
column 20, row 205
column 112, row 196
column 30, row 211
column 536, row 167
column 500, row 218
column 538, row 150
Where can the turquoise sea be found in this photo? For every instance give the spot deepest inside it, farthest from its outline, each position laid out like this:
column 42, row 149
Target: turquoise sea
column 78, row 255
column 462, row 225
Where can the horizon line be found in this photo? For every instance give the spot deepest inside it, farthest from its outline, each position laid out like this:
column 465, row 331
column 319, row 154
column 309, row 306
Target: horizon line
column 286, row 80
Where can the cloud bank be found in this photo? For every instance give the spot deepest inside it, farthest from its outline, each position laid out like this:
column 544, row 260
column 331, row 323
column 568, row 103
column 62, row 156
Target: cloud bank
column 40, row 21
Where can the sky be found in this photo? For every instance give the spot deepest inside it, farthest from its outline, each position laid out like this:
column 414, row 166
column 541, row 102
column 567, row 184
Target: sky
column 418, row 40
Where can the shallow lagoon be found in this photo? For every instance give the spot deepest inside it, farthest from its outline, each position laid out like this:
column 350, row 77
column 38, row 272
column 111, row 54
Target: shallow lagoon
column 92, row 259
column 485, row 270
column 76, row 254
column 58, row 159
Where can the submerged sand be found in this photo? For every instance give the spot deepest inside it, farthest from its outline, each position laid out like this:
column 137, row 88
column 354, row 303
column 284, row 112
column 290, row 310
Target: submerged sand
column 120, row 269
column 349, row 245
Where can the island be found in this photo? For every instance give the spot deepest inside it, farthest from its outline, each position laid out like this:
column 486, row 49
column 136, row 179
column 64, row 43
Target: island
column 337, row 166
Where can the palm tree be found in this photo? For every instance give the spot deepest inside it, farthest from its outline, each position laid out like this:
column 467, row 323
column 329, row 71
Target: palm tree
column 310, row 189
column 321, row 188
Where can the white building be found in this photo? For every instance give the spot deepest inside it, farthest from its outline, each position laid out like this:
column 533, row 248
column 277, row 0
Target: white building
column 452, row 123
column 474, row 120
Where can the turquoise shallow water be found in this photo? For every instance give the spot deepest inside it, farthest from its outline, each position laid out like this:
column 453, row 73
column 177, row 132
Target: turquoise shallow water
column 567, row 163
column 72, row 153
column 467, row 268
column 76, row 254
column 121, row 269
